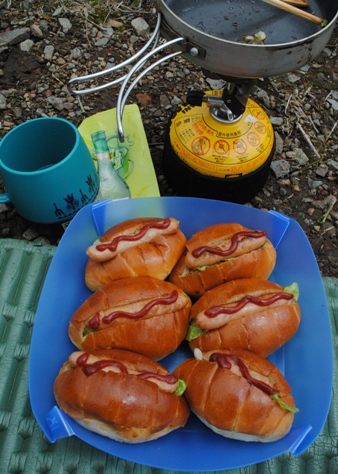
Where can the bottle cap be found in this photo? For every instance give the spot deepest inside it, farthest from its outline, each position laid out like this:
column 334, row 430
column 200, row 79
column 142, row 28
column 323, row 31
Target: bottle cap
column 100, row 141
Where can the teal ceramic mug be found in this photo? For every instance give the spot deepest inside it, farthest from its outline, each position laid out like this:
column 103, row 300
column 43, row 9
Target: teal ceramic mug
column 47, row 170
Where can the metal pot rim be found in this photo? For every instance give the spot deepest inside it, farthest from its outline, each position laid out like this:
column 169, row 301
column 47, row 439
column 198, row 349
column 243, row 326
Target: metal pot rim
column 167, row 12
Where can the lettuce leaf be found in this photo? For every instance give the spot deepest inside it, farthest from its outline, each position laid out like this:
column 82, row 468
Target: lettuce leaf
column 87, row 331
column 283, row 404
column 293, row 289
column 180, row 387
column 194, row 331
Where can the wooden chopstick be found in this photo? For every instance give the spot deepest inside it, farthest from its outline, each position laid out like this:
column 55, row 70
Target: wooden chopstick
column 297, row 3
column 295, row 11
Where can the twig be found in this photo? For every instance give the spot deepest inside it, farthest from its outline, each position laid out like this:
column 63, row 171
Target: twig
column 332, row 130
column 327, row 230
column 307, row 138
column 307, row 92
column 288, row 102
column 85, row 13
column 331, row 201
column 328, row 95
column 314, row 126
column 107, row 16
column 56, row 78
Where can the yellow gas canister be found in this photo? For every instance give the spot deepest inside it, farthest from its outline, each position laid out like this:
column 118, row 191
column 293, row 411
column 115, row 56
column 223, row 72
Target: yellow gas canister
column 207, row 156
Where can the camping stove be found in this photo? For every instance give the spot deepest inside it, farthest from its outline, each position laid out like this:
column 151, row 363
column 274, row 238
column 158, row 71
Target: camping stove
column 219, row 144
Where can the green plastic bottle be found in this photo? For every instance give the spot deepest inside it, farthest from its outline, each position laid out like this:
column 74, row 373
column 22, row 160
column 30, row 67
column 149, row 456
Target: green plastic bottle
column 112, row 186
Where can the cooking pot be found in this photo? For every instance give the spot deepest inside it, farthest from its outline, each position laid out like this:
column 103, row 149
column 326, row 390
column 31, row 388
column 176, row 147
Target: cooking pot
column 209, row 34
column 213, row 31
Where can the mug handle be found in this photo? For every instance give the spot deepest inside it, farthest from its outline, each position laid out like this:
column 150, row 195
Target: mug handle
column 4, row 198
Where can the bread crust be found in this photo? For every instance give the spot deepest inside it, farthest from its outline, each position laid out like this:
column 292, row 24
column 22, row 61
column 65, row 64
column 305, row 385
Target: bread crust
column 155, row 335
column 262, row 330
column 156, row 257
column 257, row 263
column 117, row 405
column 226, row 402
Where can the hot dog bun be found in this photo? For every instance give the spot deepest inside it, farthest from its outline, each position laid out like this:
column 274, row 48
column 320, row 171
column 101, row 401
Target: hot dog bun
column 159, row 244
column 227, row 403
column 254, row 257
column 260, row 329
column 155, row 334
column 123, row 405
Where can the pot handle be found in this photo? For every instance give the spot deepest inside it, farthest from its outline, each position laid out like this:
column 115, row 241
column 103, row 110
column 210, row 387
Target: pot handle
column 122, row 97
column 153, row 39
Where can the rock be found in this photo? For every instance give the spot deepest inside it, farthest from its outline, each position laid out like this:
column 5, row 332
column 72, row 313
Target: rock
column 333, row 103
column 281, row 168
column 319, row 204
column 26, row 45
column 264, row 97
column 279, row 144
column 284, row 182
column 109, row 32
column 164, row 101
column 44, row 26
column 49, row 52
column 301, row 157
column 17, row 112
column 333, row 164
column 176, row 101
column 102, row 41
column 3, row 101
column 36, row 31
column 65, row 24
column 293, row 78
column 41, row 240
column 322, row 170
column 14, row 36
column 278, row 121
column 314, row 184
column 30, row 234
column 141, row 27
column 57, row 12
column 215, row 84
column 56, row 102
column 298, row 155
column 76, row 53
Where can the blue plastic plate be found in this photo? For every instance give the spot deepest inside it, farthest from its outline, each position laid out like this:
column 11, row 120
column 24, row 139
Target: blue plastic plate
column 306, row 360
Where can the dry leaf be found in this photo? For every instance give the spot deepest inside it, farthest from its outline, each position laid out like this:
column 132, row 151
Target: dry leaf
column 115, row 23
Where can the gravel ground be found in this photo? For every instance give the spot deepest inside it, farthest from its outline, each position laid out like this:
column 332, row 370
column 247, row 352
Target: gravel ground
column 43, row 45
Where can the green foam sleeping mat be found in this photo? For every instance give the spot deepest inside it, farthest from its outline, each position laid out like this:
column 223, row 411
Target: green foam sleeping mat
column 23, row 446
